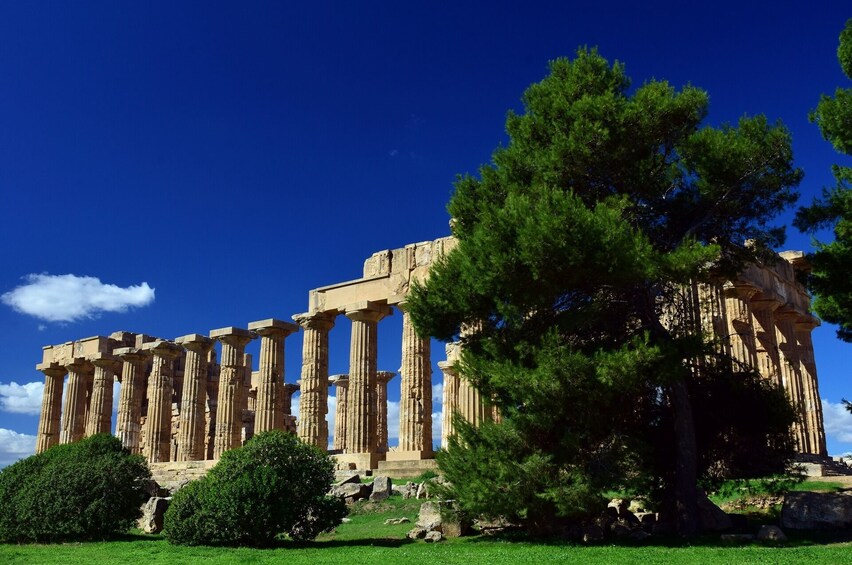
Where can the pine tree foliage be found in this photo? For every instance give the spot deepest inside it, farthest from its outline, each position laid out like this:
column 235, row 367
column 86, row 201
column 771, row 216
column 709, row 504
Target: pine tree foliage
column 829, row 280
column 572, row 244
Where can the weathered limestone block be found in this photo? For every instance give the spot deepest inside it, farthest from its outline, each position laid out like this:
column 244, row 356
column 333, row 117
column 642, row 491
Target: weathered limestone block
column 381, row 489
column 153, row 511
column 816, row 510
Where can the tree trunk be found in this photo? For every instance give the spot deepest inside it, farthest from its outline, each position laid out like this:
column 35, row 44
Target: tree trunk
column 687, row 520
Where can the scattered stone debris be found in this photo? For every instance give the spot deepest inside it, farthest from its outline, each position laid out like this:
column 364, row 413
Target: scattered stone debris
column 394, row 521
column 153, row 511
column 816, row 510
column 771, row 533
column 381, row 489
column 433, row 536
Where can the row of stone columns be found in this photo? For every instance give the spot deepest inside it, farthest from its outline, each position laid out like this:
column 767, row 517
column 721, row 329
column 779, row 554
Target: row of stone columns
column 766, row 333
column 89, row 393
column 361, row 413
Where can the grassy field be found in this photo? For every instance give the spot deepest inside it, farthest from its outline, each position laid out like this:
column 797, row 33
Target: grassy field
column 366, row 539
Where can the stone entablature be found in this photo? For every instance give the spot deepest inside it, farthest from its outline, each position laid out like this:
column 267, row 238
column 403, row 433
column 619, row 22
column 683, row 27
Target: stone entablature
column 176, row 403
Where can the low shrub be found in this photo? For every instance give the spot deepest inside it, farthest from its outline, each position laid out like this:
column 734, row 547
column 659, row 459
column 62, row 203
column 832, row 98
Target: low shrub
column 274, row 484
column 90, row 489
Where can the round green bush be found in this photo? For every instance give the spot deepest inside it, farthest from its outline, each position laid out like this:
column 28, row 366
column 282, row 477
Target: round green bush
column 90, row 489
column 274, row 484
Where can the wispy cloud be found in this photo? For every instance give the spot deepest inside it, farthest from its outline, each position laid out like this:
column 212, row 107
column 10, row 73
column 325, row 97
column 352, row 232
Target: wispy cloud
column 66, row 298
column 838, row 421
column 14, row 446
column 21, row 399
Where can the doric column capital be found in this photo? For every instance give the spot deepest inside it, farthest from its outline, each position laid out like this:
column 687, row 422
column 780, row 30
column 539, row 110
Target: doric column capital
column 164, row 349
column 367, row 311
column 275, row 329
column 105, row 361
column 382, row 377
column 787, row 313
column 235, row 337
column 291, row 388
column 196, row 343
column 807, row 323
column 339, row 380
column 739, row 289
column 52, row 369
column 315, row 320
column 448, row 368
column 131, row 354
column 766, row 300
column 79, row 365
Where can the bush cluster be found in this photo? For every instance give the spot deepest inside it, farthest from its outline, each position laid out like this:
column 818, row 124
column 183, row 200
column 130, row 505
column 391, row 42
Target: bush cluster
column 274, row 484
column 89, row 489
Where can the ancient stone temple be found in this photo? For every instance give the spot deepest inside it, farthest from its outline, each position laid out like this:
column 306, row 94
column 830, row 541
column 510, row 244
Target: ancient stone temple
column 191, row 398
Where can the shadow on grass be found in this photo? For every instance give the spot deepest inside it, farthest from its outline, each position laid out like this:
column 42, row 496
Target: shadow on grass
column 278, row 544
column 795, row 539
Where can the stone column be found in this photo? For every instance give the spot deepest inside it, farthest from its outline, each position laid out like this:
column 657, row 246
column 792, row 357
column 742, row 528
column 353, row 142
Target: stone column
column 361, row 420
column 450, row 401
column 814, row 425
column 229, row 417
column 740, row 328
column 51, row 405
column 381, row 409
column 99, row 420
column 768, row 360
column 158, row 422
column 415, row 394
column 471, row 406
column 73, row 424
column 191, row 433
column 341, row 383
column 128, row 426
column 313, row 404
column 269, row 413
column 711, row 304
column 785, row 319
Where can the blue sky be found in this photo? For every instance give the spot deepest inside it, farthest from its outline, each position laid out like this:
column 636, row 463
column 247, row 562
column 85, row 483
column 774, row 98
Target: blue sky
column 233, row 156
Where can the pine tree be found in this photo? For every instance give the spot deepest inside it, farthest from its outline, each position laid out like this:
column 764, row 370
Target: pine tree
column 572, row 245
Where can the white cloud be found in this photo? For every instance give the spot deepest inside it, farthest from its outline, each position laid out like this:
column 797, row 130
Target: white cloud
column 14, row 446
column 437, row 394
column 21, row 399
column 838, row 421
column 436, row 428
column 66, row 298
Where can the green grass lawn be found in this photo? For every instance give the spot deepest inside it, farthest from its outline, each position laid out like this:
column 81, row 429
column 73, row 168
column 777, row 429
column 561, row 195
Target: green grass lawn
column 366, row 539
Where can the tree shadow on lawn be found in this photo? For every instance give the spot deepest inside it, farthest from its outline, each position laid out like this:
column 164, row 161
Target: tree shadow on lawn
column 795, row 539
column 278, row 544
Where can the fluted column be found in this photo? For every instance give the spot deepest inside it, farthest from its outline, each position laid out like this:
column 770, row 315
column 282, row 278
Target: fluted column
column 341, row 384
column 313, row 403
column 99, row 419
column 814, row 425
column 785, row 319
column 269, row 413
column 449, row 401
column 740, row 329
column 128, row 426
column 361, row 420
column 229, row 418
column 471, row 406
column 191, row 433
column 158, row 422
column 51, row 406
column 711, row 304
column 381, row 409
column 415, row 393
column 73, row 423
column 768, row 360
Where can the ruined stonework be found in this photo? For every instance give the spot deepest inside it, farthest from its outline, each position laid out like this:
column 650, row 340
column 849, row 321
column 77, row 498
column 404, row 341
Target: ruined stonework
column 177, row 403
